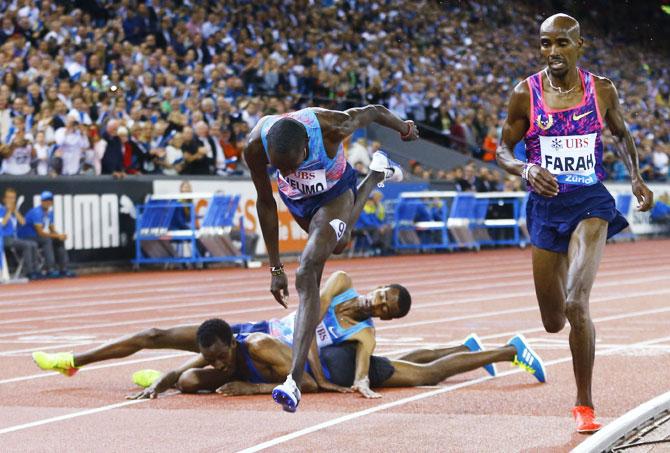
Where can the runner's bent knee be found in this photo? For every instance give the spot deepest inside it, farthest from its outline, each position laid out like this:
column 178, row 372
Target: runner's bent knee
column 577, row 313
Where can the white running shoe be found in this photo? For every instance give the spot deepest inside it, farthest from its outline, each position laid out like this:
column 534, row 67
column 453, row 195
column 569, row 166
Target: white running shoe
column 287, row 394
column 381, row 163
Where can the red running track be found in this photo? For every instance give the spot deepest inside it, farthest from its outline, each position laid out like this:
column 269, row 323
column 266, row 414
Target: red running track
column 489, row 292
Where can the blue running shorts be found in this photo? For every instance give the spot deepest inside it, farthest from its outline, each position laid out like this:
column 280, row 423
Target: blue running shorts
column 305, row 208
column 551, row 220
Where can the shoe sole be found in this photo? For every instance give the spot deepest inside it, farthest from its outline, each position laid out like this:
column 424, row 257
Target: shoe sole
column 589, row 431
column 285, row 401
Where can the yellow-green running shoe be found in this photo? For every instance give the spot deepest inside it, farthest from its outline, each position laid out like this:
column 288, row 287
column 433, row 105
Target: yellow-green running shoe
column 63, row 362
column 144, row 378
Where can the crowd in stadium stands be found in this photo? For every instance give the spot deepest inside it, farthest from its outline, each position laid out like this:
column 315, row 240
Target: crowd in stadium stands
column 172, row 87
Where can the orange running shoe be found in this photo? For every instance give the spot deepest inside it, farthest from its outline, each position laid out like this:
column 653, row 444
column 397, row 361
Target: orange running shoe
column 585, row 417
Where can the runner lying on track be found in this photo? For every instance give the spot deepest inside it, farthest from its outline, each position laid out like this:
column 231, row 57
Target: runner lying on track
column 346, row 317
column 253, row 364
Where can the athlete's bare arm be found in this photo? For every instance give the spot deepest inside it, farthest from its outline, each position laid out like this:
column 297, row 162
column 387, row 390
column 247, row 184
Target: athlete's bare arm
column 515, row 127
column 337, row 283
column 169, row 379
column 273, row 360
column 613, row 116
column 337, row 125
column 365, row 346
column 266, row 207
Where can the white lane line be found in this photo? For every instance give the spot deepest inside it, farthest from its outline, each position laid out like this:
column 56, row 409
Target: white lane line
column 504, row 334
column 249, row 299
column 372, row 278
column 96, row 410
column 221, row 291
column 97, row 367
column 411, row 399
column 44, row 348
column 274, row 308
column 46, row 421
column 226, row 280
column 525, row 309
column 601, row 319
column 328, row 423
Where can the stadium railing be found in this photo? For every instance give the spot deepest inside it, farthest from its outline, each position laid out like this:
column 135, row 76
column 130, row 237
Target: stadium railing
column 164, row 235
column 460, row 220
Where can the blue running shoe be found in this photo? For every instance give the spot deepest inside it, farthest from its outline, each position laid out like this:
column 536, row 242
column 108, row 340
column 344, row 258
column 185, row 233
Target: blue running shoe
column 474, row 344
column 287, row 394
column 380, row 162
column 527, row 359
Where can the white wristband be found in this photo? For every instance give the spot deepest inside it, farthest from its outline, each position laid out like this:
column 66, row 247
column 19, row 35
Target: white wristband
column 365, row 380
column 526, row 170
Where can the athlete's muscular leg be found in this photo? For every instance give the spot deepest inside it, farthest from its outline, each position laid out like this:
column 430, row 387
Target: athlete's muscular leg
column 322, row 240
column 182, row 338
column 426, row 355
column 363, row 191
column 550, row 270
column 584, row 253
column 408, row 374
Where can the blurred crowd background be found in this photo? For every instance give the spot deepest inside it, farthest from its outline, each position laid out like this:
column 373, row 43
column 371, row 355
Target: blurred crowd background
column 167, row 87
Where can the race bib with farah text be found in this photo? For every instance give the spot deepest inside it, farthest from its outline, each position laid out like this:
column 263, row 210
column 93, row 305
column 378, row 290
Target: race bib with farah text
column 571, row 158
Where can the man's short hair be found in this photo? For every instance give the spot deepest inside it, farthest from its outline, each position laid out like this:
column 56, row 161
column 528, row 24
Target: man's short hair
column 404, row 300
column 9, row 190
column 287, row 136
column 212, row 330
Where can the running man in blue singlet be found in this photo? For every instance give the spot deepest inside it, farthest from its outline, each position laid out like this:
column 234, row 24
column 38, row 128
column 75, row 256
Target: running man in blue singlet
column 560, row 113
column 304, row 150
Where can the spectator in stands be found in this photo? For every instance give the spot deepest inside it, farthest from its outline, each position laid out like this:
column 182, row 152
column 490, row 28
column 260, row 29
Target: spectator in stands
column 112, row 159
column 197, row 161
column 616, row 170
column 513, row 184
column 10, row 219
column 490, row 145
column 372, row 225
column 72, row 141
column 133, row 157
column 41, row 152
column 468, row 182
column 98, row 149
column 212, row 147
column 358, row 152
column 18, row 154
column 174, row 156
column 128, row 65
column 39, row 228
column 483, row 181
column 232, row 157
column 660, row 160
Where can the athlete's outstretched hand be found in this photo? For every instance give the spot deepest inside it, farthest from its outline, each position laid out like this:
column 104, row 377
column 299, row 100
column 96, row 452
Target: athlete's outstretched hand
column 363, row 387
column 412, row 132
column 147, row 393
column 543, row 181
column 279, row 289
column 645, row 197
